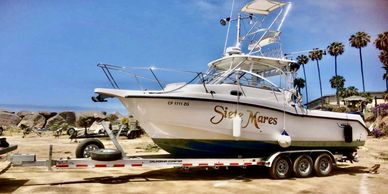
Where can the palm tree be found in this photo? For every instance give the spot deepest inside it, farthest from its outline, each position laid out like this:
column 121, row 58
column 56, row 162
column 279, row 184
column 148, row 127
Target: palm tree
column 349, row 91
column 335, row 49
column 384, row 58
column 337, row 82
column 316, row 55
column 300, row 83
column 381, row 41
column 359, row 40
column 303, row 60
column 294, row 67
column 385, row 77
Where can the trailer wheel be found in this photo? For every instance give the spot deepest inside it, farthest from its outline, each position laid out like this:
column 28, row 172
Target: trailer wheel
column 303, row 166
column 106, row 155
column 87, row 146
column 281, row 167
column 138, row 134
column 131, row 135
column 323, row 165
column 102, row 131
column 70, row 131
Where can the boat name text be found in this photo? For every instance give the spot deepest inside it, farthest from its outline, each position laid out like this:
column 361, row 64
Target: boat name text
column 254, row 117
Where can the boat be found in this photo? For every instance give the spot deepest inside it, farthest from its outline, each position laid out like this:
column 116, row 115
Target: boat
column 244, row 105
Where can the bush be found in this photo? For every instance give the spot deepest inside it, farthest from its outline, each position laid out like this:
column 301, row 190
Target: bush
column 124, row 120
column 377, row 133
column 381, row 109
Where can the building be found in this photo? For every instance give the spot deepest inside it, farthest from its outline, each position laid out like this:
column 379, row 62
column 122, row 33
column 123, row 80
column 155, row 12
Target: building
column 377, row 96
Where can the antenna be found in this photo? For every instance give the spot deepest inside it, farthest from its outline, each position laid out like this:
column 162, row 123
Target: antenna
column 285, row 15
column 223, row 22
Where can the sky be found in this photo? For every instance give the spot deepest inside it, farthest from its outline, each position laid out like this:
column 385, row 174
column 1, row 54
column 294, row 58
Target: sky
column 50, row 48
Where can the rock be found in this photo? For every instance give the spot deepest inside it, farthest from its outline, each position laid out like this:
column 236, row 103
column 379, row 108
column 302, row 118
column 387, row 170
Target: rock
column 87, row 118
column 22, row 114
column 9, row 120
column 383, row 125
column 7, row 111
column 119, row 115
column 47, row 115
column 369, row 117
column 96, row 115
column 33, row 120
column 55, row 121
column 112, row 117
column 69, row 117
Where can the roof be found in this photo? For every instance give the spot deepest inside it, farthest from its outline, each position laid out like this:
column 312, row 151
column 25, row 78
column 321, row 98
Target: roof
column 262, row 7
column 354, row 98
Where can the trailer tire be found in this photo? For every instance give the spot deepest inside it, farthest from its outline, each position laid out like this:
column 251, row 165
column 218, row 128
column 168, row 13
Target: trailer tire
column 102, row 131
column 70, row 131
column 138, row 134
column 131, row 135
column 281, row 167
column 106, row 155
column 303, row 166
column 87, row 146
column 323, row 165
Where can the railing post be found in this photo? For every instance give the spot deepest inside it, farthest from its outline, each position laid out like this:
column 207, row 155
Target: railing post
column 156, row 79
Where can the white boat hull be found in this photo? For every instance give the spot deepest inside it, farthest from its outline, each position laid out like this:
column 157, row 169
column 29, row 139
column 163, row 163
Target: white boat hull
column 196, row 126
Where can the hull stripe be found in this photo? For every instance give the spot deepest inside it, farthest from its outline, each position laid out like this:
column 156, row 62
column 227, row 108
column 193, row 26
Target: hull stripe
column 231, row 148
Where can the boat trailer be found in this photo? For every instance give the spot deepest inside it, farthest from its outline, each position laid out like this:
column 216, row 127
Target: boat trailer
column 279, row 163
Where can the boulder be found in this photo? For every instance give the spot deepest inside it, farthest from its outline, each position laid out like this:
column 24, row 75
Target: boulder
column 119, row 115
column 69, row 117
column 7, row 111
column 112, row 117
column 47, row 115
column 9, row 120
column 32, row 120
column 369, row 117
column 22, row 114
column 383, row 124
column 92, row 114
column 55, row 120
column 87, row 118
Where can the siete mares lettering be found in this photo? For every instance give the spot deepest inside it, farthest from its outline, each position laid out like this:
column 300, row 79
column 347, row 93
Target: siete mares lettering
column 248, row 117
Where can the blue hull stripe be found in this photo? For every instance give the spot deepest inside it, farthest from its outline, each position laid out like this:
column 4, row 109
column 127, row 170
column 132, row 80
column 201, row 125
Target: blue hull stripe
column 231, row 148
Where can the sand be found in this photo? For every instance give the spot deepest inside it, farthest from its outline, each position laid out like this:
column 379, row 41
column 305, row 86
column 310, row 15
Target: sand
column 346, row 178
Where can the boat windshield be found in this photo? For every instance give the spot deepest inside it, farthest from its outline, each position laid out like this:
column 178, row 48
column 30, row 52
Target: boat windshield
column 249, row 79
column 240, row 77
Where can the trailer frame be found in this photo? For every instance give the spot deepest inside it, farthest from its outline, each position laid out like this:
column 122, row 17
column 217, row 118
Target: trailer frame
column 157, row 161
